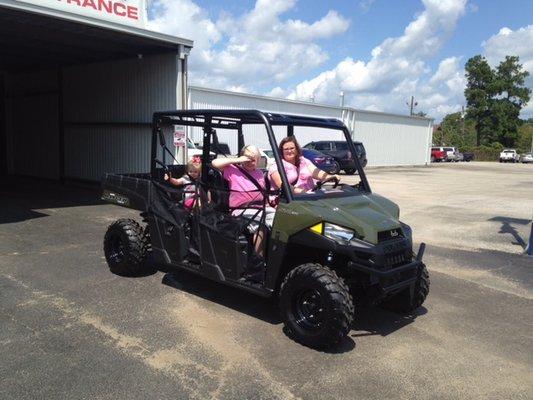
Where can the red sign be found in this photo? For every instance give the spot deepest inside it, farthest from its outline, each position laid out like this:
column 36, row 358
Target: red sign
column 130, row 12
column 180, row 136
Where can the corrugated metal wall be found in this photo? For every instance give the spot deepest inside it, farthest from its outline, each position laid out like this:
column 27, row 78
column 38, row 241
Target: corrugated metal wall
column 393, row 140
column 108, row 111
column 389, row 139
column 32, row 120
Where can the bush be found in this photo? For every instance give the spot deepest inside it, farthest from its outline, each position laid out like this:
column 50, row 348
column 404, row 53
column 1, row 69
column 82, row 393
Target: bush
column 485, row 153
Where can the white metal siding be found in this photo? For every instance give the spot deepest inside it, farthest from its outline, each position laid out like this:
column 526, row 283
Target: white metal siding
column 32, row 124
column 200, row 98
column 108, row 107
column 393, row 140
column 389, row 139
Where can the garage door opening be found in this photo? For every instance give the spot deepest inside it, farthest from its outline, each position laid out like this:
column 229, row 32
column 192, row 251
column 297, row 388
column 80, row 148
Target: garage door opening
column 77, row 93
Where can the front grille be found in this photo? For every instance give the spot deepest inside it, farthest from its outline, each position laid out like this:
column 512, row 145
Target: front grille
column 389, row 235
column 397, row 259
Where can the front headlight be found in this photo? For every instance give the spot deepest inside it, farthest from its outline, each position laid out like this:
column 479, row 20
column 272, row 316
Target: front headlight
column 335, row 232
column 338, row 233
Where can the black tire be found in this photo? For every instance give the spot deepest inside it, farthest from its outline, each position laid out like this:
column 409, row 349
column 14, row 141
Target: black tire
column 316, row 306
column 403, row 302
column 349, row 171
column 336, row 168
column 125, row 248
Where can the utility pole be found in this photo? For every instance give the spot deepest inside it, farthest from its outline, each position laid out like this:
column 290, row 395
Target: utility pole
column 463, row 121
column 412, row 105
column 341, row 95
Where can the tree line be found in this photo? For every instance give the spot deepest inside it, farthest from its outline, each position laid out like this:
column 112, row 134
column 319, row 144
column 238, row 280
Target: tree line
column 494, row 99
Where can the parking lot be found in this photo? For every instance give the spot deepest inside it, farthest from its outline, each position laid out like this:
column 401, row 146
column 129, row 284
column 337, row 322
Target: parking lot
column 70, row 329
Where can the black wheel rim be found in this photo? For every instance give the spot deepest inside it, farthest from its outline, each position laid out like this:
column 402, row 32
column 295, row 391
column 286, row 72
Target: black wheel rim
column 308, row 307
column 116, row 249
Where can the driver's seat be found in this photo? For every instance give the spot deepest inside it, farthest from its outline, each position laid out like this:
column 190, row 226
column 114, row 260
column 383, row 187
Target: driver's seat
column 219, row 189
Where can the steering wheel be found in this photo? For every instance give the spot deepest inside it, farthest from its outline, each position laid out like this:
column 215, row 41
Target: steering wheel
column 319, row 184
column 165, row 168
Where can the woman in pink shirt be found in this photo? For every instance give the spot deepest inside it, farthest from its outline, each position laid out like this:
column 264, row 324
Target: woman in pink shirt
column 301, row 173
column 246, row 200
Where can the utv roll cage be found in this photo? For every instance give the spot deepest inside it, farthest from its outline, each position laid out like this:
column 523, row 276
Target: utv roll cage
column 208, row 120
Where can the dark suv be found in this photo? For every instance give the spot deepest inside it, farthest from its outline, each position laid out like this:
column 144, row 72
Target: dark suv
column 339, row 151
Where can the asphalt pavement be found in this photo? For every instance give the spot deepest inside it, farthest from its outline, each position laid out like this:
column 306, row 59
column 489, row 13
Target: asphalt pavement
column 70, row 329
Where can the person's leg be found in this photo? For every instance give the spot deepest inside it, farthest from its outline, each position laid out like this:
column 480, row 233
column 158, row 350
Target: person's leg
column 254, row 215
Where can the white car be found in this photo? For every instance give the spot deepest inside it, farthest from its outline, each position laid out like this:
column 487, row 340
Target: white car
column 193, row 150
column 509, row 155
column 526, row 158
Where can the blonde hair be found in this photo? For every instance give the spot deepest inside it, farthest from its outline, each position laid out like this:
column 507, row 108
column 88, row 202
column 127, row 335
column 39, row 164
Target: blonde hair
column 250, row 148
column 193, row 165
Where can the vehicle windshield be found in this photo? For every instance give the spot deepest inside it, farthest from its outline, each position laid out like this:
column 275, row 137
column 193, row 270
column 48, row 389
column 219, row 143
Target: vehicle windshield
column 269, row 153
column 324, row 150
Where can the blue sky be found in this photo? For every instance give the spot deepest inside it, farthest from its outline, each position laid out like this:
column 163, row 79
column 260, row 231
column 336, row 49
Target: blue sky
column 379, row 52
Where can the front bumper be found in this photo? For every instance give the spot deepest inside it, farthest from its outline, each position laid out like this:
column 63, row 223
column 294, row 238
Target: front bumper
column 386, row 283
column 394, row 271
column 387, row 267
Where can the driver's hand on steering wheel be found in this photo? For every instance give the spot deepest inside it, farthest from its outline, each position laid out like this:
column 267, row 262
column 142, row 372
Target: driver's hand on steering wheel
column 337, row 177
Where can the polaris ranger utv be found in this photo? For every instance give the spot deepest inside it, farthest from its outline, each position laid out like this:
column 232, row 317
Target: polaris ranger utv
column 325, row 249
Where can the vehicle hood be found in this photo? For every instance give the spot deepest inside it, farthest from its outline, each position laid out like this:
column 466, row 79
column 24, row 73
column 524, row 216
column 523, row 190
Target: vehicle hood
column 367, row 214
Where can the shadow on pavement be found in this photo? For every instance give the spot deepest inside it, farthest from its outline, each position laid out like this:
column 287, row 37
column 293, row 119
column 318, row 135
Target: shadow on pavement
column 508, row 228
column 372, row 321
column 238, row 300
column 263, row 309
column 369, row 320
column 22, row 198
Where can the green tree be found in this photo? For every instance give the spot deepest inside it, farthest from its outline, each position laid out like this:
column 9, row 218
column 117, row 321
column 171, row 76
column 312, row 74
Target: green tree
column 457, row 131
column 525, row 137
column 479, row 90
column 494, row 99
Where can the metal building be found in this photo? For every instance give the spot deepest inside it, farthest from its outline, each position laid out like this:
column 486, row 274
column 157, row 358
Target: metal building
column 78, row 89
column 389, row 139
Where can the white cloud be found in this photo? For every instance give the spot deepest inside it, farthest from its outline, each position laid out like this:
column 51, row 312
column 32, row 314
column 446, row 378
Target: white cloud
column 513, row 43
column 260, row 49
column 250, row 50
column 276, row 92
column 393, row 73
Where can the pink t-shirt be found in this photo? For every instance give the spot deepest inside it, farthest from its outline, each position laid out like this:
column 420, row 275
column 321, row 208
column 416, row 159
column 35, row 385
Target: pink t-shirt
column 243, row 190
column 302, row 175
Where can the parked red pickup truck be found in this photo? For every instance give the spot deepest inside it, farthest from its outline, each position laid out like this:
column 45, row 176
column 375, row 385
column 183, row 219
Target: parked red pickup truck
column 437, row 155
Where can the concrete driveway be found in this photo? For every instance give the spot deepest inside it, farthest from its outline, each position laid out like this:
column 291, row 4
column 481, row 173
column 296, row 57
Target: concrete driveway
column 70, row 329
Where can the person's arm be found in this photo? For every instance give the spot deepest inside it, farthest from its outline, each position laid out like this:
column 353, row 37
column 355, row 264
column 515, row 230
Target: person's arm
column 176, row 181
column 276, row 178
column 223, row 162
column 277, row 182
column 318, row 174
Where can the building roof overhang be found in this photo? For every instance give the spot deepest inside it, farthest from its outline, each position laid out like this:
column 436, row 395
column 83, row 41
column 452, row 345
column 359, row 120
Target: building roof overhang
column 36, row 38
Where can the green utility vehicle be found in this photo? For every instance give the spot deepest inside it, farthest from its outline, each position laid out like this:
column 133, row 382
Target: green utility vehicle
column 327, row 251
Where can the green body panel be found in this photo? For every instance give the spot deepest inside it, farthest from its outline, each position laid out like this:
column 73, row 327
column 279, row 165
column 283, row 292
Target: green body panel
column 367, row 214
